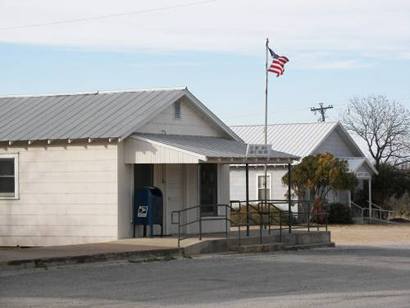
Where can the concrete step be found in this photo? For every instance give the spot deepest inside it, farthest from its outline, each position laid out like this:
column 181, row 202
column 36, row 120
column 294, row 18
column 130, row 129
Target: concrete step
column 258, row 248
column 377, row 221
column 309, row 246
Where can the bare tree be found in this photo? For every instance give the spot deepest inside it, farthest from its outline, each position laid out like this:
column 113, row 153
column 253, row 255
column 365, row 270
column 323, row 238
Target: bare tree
column 384, row 125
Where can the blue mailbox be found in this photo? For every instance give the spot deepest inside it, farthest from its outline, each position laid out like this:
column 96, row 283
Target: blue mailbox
column 148, row 207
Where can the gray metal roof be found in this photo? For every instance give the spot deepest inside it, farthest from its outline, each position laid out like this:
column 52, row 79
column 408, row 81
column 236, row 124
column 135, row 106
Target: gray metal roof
column 211, row 147
column 91, row 115
column 298, row 139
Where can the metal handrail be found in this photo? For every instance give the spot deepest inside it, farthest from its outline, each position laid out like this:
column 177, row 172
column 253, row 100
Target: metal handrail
column 278, row 219
column 200, row 219
column 263, row 202
column 277, row 216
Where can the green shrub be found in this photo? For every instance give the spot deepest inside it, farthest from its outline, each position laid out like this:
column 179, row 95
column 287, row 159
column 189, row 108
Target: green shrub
column 339, row 214
column 239, row 217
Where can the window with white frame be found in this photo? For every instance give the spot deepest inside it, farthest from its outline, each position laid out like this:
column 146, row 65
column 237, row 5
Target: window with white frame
column 9, row 176
column 261, row 186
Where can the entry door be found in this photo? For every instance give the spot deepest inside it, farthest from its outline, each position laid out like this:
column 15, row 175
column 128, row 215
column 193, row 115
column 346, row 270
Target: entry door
column 208, row 178
column 143, row 176
column 175, row 195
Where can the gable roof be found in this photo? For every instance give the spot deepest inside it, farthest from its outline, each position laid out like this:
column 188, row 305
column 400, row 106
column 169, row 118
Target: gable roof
column 299, row 139
column 90, row 115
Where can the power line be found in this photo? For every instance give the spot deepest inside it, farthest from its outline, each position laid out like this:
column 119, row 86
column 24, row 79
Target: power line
column 85, row 19
column 297, row 110
column 272, row 113
column 321, row 110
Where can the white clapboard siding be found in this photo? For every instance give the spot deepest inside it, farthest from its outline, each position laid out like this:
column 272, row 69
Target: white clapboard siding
column 67, row 194
column 50, row 198
column 66, row 208
column 64, row 167
column 59, row 231
column 364, row 169
column 139, row 151
column 337, row 146
column 125, row 194
column 53, row 240
column 238, row 183
column 68, row 177
column 62, row 187
column 192, row 197
column 191, row 122
column 210, row 226
column 279, row 190
column 50, row 219
column 175, row 195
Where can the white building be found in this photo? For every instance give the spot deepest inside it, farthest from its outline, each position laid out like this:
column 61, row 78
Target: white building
column 300, row 140
column 69, row 164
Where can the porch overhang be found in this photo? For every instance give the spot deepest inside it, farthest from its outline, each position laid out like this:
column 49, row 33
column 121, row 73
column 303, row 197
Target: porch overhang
column 361, row 167
column 184, row 149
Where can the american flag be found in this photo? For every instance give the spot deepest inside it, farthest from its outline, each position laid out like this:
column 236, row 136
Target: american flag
column 278, row 63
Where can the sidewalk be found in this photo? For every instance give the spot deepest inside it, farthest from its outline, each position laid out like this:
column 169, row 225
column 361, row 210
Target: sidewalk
column 146, row 249
column 127, row 248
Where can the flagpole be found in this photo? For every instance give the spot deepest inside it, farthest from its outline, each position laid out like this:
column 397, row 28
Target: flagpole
column 266, row 117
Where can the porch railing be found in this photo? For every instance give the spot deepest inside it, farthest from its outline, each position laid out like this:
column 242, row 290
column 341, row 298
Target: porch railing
column 377, row 213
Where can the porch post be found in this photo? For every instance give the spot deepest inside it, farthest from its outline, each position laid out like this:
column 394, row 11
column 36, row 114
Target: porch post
column 289, row 198
column 247, row 198
column 370, row 197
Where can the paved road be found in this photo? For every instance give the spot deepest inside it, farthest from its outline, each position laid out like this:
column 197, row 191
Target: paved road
column 331, row 277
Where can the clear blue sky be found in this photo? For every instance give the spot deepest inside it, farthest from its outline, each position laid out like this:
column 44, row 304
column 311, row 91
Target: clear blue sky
column 226, row 74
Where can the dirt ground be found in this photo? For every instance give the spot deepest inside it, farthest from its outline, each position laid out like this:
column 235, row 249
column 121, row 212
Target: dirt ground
column 371, row 235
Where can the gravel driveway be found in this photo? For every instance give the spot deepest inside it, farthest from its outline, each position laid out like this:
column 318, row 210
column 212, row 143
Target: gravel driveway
column 372, row 235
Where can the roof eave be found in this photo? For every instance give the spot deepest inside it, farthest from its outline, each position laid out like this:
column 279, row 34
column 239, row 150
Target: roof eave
column 250, row 160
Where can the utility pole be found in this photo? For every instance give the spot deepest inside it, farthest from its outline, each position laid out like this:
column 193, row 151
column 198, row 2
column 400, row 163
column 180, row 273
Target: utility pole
column 322, row 111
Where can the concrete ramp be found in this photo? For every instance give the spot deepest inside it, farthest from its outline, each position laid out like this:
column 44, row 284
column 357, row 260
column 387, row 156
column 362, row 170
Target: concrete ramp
column 252, row 244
